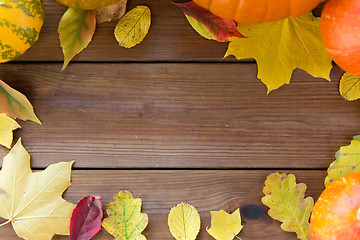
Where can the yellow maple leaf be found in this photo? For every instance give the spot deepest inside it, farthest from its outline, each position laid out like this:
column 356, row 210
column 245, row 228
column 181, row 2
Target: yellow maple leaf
column 184, row 222
column 349, row 86
column 32, row 202
column 281, row 47
column 225, row 226
column 125, row 220
column 7, row 125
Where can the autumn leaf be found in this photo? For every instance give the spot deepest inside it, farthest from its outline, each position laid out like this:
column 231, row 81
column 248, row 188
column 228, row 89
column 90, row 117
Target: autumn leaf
column 349, row 86
column 76, row 29
column 15, row 104
column 347, row 161
column 32, row 202
column 184, row 222
column 86, row 218
column 281, row 47
column 133, row 27
column 286, row 201
column 125, row 220
column 207, row 24
column 7, row 125
column 225, row 226
column 112, row 12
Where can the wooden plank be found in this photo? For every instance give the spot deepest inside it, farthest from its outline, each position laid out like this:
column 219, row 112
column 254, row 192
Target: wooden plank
column 206, row 190
column 180, row 116
column 171, row 38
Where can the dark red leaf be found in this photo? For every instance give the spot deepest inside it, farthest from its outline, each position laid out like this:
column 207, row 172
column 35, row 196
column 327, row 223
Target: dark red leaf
column 86, row 218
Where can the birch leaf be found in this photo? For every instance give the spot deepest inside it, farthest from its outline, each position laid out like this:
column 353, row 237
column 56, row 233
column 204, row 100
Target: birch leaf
column 347, row 161
column 225, row 226
column 76, row 29
column 112, row 12
column 133, row 27
column 7, row 125
column 287, row 204
column 350, row 86
column 281, row 47
column 15, row 104
column 184, row 222
column 125, row 220
column 32, row 202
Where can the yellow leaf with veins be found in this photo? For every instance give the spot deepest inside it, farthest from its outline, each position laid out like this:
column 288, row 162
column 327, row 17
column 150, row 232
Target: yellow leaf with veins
column 7, row 125
column 225, row 226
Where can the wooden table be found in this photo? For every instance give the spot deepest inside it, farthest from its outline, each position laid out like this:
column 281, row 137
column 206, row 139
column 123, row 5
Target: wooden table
column 172, row 121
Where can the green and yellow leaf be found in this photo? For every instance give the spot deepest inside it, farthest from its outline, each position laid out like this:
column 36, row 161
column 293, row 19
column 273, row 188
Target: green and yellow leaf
column 287, row 204
column 225, row 226
column 76, row 29
column 133, row 27
column 184, row 222
column 125, row 220
column 7, row 125
column 350, row 86
column 281, row 47
column 15, row 104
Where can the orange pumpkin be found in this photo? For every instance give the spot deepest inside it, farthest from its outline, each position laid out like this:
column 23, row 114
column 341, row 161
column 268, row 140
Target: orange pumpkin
column 340, row 32
column 87, row 4
column 336, row 214
column 258, row 11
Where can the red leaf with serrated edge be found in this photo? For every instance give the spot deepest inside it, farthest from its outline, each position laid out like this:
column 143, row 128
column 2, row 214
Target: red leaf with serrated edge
column 86, row 218
column 207, row 24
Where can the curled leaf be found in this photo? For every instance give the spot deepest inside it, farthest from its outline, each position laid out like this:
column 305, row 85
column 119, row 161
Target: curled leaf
column 112, row 12
column 349, row 86
column 7, row 125
column 225, row 226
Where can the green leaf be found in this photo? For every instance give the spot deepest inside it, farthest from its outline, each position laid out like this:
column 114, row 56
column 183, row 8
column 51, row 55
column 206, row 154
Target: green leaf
column 347, row 161
column 349, row 86
column 76, row 29
column 15, row 104
column 125, row 220
column 133, row 27
column 286, row 201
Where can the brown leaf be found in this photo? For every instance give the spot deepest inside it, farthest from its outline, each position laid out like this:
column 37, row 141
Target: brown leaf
column 112, row 12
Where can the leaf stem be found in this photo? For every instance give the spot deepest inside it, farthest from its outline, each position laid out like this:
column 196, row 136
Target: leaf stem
column 6, row 222
column 238, row 237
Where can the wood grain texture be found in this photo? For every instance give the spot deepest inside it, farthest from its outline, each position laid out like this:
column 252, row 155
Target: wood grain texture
column 206, row 190
column 180, row 116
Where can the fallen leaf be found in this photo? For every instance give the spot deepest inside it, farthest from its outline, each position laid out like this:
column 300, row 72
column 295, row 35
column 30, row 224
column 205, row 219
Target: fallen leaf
column 133, row 27
column 112, row 12
column 184, row 222
column 349, row 86
column 225, row 226
column 125, row 220
column 86, row 218
column 286, row 201
column 347, row 161
column 207, row 24
column 15, row 104
column 76, row 29
column 281, row 47
column 32, row 202
column 7, row 125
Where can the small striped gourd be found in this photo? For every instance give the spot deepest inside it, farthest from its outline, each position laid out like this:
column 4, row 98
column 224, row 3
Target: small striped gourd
column 20, row 25
column 87, row 4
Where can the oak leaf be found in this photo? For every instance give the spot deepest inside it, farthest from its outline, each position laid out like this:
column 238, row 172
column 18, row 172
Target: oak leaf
column 32, row 202
column 349, row 86
column 287, row 204
column 133, row 27
column 281, row 47
column 112, row 12
column 225, row 226
column 347, row 161
column 76, row 29
column 184, row 222
column 7, row 125
column 125, row 220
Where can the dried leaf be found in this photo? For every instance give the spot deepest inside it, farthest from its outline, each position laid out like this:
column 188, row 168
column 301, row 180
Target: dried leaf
column 86, row 218
column 112, row 12
column 225, row 226
column 133, row 27
column 207, row 24
column 347, row 161
column 76, row 29
column 32, row 202
column 184, row 222
column 15, row 104
column 7, row 125
column 350, row 86
column 125, row 220
column 286, row 201
column 281, row 47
